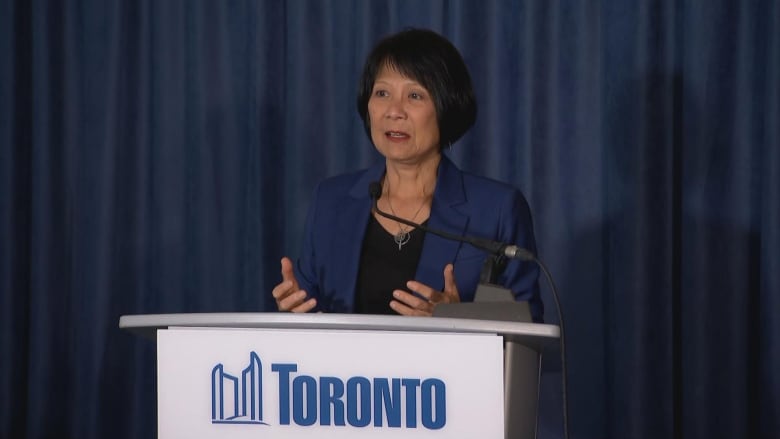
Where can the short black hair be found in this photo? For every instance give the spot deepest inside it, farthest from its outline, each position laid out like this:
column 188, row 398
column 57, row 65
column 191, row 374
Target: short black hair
column 431, row 60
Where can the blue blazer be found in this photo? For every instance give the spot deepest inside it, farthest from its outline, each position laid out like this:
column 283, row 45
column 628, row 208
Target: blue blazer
column 463, row 204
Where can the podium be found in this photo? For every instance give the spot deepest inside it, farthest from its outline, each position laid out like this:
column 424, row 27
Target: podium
column 344, row 375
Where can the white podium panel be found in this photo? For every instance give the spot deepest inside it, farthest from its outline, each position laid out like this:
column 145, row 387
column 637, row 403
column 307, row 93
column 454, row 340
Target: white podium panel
column 295, row 383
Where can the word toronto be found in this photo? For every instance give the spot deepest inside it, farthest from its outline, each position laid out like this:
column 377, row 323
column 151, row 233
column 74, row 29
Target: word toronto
column 359, row 401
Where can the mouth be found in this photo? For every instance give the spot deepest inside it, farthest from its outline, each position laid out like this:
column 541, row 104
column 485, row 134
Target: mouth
column 396, row 135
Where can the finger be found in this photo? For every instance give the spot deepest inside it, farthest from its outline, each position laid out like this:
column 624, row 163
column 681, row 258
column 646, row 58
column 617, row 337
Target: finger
column 429, row 293
column 287, row 272
column 406, row 310
column 412, row 301
column 450, row 287
column 306, row 306
column 282, row 290
column 292, row 300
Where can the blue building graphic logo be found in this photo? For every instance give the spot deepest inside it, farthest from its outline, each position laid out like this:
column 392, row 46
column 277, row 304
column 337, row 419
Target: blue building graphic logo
column 238, row 400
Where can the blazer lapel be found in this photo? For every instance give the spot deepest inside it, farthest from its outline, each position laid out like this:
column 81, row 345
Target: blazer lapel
column 447, row 214
column 352, row 220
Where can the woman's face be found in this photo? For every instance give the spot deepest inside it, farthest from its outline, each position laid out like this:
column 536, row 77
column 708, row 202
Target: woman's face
column 403, row 120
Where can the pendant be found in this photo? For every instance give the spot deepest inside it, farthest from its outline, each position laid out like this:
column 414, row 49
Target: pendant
column 401, row 238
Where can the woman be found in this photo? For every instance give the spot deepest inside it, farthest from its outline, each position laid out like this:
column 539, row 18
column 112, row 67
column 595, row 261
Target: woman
column 415, row 100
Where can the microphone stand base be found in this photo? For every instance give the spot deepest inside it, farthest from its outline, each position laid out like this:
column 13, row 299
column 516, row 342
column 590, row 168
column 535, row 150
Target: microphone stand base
column 491, row 302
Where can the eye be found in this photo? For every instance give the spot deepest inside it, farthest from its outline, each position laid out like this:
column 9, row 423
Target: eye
column 380, row 93
column 415, row 95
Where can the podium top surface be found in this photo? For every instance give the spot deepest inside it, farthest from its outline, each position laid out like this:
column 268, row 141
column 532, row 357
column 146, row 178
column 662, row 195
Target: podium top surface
column 527, row 333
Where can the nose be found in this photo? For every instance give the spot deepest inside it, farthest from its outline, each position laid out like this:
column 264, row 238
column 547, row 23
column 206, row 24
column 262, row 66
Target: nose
column 395, row 109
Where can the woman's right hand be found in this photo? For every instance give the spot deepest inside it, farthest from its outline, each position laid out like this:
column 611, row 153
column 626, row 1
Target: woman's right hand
column 289, row 296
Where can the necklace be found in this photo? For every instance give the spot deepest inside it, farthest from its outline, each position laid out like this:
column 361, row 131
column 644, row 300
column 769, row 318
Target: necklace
column 403, row 236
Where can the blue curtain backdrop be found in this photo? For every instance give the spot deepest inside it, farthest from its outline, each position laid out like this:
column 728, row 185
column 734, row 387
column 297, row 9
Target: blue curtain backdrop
column 158, row 157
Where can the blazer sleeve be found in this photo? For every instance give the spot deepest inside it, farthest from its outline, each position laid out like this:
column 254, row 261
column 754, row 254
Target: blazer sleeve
column 516, row 227
column 305, row 266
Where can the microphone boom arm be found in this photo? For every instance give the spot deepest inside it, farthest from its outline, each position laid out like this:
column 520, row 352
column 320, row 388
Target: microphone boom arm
column 495, row 248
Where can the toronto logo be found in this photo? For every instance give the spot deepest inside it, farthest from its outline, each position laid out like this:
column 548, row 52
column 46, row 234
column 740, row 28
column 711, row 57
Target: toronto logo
column 307, row 400
column 238, row 400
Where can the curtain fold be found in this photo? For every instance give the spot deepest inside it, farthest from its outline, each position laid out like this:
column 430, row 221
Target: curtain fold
column 158, row 157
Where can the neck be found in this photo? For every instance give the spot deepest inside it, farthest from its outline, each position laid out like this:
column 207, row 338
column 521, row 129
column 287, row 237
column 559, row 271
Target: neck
column 409, row 182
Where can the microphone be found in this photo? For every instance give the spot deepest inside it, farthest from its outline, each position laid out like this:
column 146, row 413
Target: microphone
column 497, row 249
column 493, row 247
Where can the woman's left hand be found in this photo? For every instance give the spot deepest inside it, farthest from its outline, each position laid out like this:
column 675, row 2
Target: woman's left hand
column 412, row 305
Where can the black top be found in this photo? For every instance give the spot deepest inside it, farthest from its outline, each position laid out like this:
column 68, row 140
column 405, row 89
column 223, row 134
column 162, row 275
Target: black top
column 384, row 268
